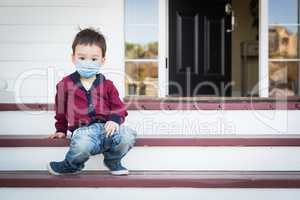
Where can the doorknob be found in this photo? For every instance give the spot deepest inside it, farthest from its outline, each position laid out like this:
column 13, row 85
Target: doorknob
column 232, row 23
column 228, row 8
column 230, row 11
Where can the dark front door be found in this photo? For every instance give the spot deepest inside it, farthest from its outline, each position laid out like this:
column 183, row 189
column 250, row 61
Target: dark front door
column 199, row 48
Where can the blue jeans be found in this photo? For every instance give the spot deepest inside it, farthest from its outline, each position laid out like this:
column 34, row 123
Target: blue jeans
column 91, row 140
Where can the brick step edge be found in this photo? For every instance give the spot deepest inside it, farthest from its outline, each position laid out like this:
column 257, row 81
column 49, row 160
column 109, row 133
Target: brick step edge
column 248, row 104
column 141, row 179
column 179, row 141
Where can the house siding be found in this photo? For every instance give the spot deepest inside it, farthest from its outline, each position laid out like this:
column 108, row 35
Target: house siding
column 36, row 38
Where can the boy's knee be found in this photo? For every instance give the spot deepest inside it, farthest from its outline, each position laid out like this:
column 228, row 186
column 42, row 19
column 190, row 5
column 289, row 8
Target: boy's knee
column 81, row 147
column 125, row 139
column 84, row 148
column 78, row 154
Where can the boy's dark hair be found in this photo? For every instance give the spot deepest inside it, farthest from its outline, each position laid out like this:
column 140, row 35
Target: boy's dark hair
column 90, row 36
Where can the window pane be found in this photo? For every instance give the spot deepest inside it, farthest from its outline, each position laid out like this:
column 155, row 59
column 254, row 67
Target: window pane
column 141, row 29
column 283, row 42
column 141, row 78
column 141, row 12
column 141, row 50
column 283, row 12
column 283, row 77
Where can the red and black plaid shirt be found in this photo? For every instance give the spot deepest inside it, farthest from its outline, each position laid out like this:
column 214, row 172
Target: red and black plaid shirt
column 75, row 106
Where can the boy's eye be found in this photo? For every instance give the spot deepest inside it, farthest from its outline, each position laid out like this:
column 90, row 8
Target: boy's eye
column 94, row 59
column 81, row 58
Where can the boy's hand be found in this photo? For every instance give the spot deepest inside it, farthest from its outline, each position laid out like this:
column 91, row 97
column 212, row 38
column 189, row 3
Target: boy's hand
column 110, row 128
column 57, row 135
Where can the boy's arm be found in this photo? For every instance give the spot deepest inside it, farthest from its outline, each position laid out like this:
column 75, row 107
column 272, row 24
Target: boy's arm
column 61, row 123
column 118, row 110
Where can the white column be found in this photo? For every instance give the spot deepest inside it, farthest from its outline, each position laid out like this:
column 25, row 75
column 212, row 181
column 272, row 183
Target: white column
column 263, row 49
column 162, row 48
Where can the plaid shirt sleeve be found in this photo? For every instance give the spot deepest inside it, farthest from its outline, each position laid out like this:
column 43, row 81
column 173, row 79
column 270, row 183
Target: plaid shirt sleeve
column 61, row 123
column 118, row 110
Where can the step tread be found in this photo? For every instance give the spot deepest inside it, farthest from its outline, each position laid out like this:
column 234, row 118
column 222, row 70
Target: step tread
column 197, row 179
column 163, row 140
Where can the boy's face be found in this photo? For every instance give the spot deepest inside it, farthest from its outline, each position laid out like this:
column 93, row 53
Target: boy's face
column 88, row 52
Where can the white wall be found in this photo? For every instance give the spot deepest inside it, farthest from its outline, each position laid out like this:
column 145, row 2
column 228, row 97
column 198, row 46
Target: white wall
column 36, row 38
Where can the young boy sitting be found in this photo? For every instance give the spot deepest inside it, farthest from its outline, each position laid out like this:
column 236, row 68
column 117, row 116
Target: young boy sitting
column 88, row 104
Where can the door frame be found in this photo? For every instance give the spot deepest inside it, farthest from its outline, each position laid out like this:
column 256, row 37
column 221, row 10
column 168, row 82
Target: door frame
column 163, row 49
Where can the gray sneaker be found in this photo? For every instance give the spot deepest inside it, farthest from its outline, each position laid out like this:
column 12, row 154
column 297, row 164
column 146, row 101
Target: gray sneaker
column 59, row 168
column 116, row 168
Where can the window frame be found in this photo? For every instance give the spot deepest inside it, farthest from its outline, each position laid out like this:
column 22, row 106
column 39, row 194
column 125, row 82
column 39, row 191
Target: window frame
column 264, row 5
column 161, row 58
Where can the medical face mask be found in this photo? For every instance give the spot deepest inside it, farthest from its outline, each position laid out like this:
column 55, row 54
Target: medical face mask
column 87, row 68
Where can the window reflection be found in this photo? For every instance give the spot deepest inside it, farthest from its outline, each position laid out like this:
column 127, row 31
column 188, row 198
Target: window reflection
column 134, row 50
column 283, row 48
column 141, row 12
column 142, row 78
column 283, row 78
column 283, row 11
column 283, row 42
column 141, row 47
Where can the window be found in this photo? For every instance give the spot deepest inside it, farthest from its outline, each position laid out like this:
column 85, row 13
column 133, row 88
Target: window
column 284, row 54
column 141, row 47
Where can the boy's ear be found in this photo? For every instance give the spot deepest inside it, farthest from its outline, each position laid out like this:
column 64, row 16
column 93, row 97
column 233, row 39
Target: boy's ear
column 73, row 58
column 103, row 60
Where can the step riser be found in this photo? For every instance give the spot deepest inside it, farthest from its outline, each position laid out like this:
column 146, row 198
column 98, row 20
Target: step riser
column 148, row 193
column 166, row 158
column 170, row 122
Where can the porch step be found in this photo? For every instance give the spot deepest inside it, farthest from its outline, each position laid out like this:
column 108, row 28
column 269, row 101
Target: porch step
column 170, row 122
column 159, row 179
column 260, row 153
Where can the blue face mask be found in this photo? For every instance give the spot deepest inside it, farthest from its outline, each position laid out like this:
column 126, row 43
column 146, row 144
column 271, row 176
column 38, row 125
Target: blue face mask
column 87, row 68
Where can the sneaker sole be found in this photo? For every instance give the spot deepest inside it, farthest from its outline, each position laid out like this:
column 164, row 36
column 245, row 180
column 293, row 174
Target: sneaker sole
column 120, row 173
column 117, row 173
column 51, row 171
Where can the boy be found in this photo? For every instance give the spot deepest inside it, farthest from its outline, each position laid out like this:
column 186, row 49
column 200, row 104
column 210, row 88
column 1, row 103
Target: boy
column 88, row 104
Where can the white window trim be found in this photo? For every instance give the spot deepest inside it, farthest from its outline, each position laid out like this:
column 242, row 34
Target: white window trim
column 163, row 25
column 141, row 60
column 284, row 60
column 263, row 82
